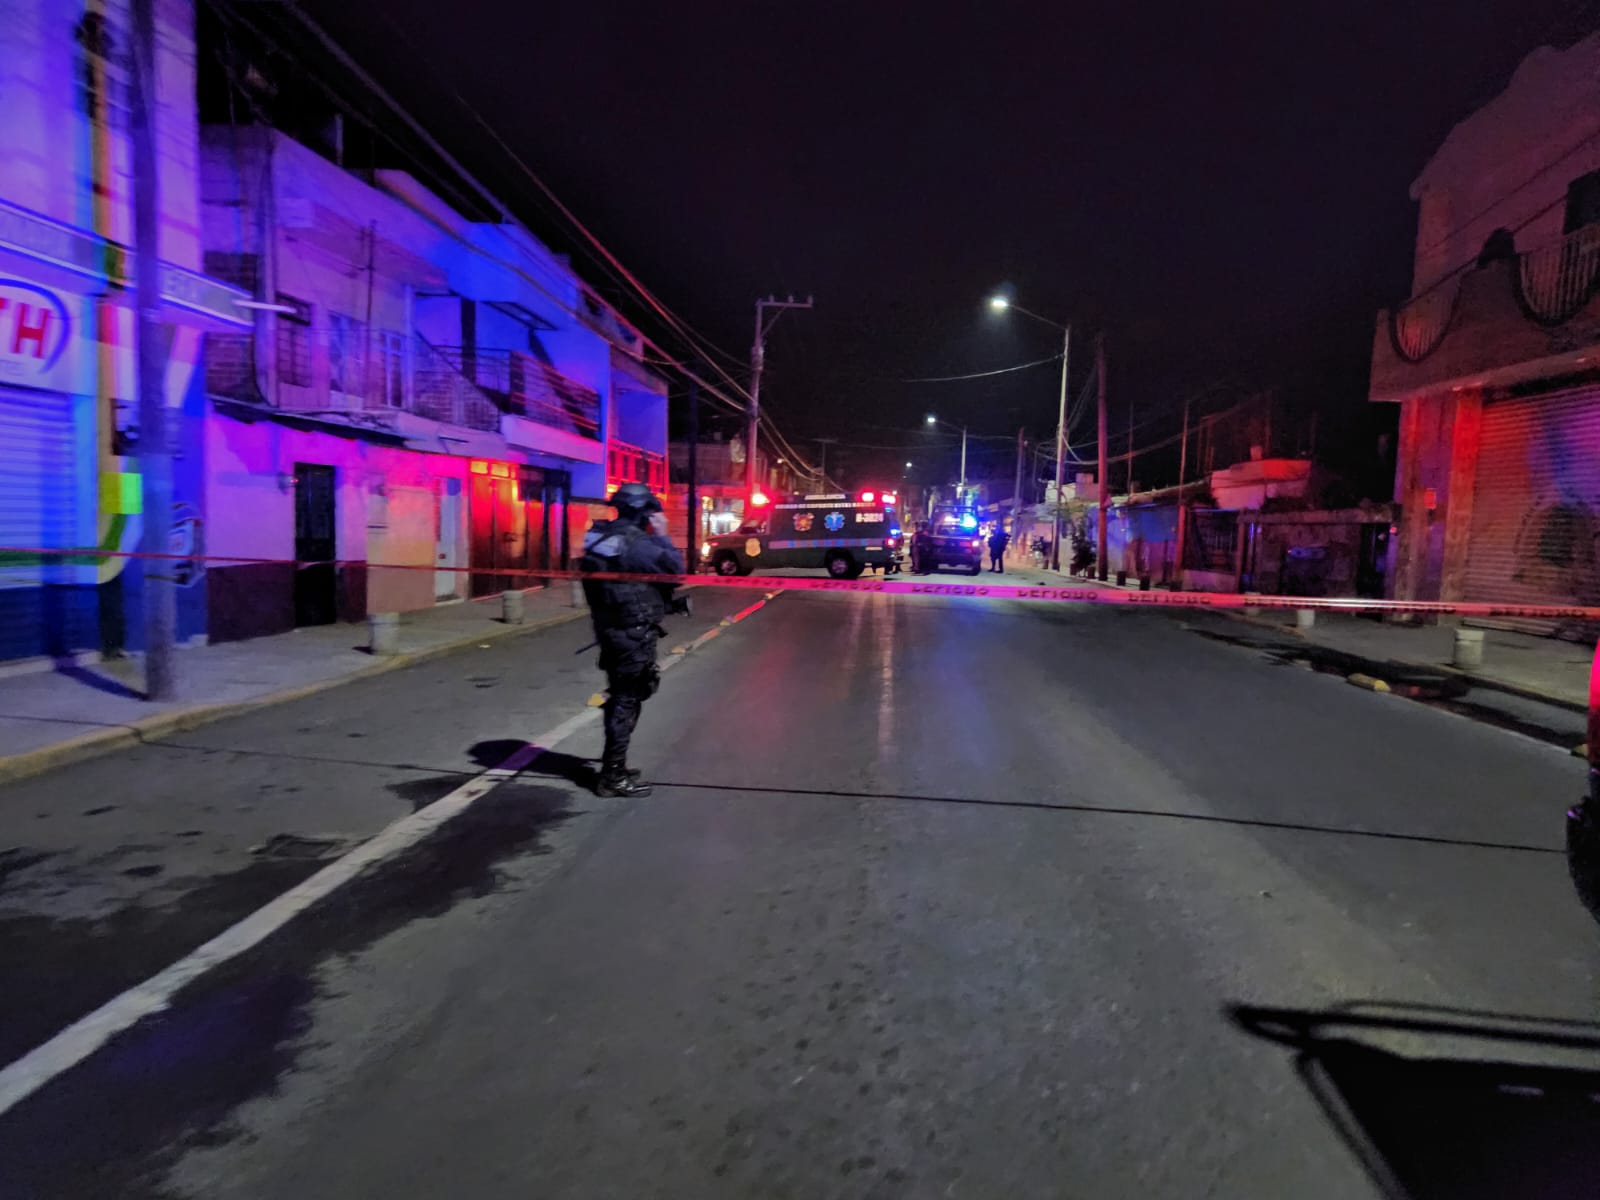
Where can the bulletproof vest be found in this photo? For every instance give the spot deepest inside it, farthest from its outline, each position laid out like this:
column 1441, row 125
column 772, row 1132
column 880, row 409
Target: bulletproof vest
column 618, row 603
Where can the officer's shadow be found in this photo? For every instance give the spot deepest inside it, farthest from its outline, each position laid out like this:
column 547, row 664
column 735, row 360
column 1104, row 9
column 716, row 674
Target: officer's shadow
column 552, row 764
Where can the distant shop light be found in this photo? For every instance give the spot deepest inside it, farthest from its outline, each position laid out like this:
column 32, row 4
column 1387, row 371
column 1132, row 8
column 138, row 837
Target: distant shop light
column 480, row 468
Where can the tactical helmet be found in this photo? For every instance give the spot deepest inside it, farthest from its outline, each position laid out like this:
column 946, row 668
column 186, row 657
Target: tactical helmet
column 633, row 498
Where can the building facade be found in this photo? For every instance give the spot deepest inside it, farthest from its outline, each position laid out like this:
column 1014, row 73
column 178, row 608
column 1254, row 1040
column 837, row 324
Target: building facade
column 69, row 472
column 1495, row 359
column 384, row 404
column 425, row 407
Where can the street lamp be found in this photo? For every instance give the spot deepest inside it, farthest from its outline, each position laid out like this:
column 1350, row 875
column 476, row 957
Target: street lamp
column 961, row 488
column 1000, row 303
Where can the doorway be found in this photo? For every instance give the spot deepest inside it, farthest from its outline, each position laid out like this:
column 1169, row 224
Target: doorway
column 447, row 576
column 315, row 542
column 499, row 532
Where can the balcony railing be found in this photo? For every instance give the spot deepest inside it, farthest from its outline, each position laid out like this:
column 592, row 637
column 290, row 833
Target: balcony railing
column 525, row 386
column 1508, row 321
column 441, row 386
column 633, row 464
column 1555, row 281
column 441, row 392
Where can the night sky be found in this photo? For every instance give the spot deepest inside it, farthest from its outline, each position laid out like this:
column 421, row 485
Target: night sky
column 1221, row 189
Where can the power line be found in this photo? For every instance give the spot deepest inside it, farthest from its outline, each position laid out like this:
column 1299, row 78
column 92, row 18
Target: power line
column 488, row 198
column 984, row 374
column 694, row 337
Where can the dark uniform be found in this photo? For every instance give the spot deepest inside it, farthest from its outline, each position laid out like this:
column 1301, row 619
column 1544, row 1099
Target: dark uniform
column 922, row 550
column 627, row 622
column 998, row 541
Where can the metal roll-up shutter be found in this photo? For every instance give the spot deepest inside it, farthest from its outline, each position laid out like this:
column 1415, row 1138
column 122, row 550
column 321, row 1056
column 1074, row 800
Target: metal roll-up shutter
column 37, row 478
column 1536, row 505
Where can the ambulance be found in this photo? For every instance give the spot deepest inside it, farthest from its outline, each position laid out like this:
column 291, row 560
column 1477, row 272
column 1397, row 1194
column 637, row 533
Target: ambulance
column 841, row 534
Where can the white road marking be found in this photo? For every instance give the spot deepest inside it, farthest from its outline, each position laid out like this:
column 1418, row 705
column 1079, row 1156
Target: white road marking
column 83, row 1037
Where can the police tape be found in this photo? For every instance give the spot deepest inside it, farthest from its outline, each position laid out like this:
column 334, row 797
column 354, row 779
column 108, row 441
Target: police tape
column 12, row 558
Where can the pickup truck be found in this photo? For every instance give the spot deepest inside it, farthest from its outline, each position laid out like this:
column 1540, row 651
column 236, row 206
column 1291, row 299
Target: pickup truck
column 952, row 539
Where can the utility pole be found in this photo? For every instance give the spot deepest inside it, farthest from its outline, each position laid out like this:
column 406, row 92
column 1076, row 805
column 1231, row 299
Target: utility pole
column 693, row 524
column 1130, row 450
column 1183, row 508
column 155, row 438
column 1105, row 481
column 1061, row 447
column 822, row 463
column 961, row 490
column 758, row 361
column 1016, row 496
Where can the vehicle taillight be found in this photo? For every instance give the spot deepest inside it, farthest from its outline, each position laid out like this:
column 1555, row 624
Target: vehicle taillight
column 1594, row 710
column 977, row 543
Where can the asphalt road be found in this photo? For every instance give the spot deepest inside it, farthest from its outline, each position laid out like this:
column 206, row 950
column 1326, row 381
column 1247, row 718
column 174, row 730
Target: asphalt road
column 934, row 898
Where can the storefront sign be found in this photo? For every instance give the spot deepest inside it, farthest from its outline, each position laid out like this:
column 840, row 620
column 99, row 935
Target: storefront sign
column 49, row 241
column 36, row 333
column 203, row 296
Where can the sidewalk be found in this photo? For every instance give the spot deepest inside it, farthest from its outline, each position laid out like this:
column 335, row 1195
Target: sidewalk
column 1536, row 668
column 1543, row 669
column 48, row 718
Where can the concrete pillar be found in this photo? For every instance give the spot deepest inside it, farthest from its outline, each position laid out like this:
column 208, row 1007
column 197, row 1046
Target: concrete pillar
column 511, row 606
column 1305, row 618
column 383, row 633
column 1468, row 653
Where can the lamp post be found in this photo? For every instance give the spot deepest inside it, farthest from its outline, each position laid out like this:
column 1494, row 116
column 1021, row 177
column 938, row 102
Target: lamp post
column 961, row 488
column 1002, row 304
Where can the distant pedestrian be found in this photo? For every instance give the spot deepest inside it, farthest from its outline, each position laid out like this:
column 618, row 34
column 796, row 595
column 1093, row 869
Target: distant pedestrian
column 998, row 541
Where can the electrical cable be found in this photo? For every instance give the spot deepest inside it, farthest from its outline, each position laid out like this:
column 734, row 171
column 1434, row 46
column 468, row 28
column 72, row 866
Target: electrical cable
column 226, row 13
column 693, row 337
column 984, row 374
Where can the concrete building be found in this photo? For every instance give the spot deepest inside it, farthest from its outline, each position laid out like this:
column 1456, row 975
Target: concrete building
column 720, row 486
column 425, row 406
column 1495, row 358
column 69, row 477
column 416, row 402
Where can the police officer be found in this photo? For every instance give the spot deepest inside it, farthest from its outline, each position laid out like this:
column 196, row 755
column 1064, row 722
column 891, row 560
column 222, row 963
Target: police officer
column 627, row 620
column 922, row 550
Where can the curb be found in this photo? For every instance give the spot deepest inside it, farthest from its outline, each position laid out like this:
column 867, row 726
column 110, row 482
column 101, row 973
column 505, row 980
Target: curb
column 1515, row 689
column 84, row 746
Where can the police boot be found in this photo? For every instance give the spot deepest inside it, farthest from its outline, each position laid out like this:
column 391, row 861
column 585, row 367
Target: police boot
column 624, row 784
column 616, row 779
